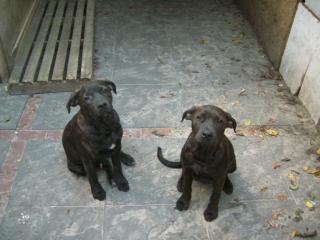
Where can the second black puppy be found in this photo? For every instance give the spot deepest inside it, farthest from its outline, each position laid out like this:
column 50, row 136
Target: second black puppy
column 93, row 135
column 207, row 156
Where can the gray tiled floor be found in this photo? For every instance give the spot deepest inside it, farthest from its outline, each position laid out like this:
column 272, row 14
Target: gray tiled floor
column 4, row 147
column 11, row 109
column 166, row 56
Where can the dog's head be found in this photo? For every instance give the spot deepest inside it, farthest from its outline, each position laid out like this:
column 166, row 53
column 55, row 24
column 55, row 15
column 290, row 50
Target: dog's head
column 94, row 99
column 209, row 123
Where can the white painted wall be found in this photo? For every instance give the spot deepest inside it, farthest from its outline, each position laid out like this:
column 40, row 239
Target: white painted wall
column 314, row 5
column 301, row 59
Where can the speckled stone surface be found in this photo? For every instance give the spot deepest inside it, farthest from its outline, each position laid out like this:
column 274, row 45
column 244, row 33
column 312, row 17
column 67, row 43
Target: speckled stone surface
column 166, row 56
column 11, row 109
column 52, row 112
column 4, row 147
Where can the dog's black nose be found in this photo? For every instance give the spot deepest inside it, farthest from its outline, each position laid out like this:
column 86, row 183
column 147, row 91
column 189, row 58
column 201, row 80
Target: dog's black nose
column 103, row 105
column 206, row 134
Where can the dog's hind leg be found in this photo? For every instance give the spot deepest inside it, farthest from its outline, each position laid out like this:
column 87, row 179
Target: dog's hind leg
column 76, row 168
column 228, row 186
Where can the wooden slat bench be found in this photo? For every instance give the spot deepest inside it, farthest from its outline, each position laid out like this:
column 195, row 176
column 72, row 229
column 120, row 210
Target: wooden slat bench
column 56, row 51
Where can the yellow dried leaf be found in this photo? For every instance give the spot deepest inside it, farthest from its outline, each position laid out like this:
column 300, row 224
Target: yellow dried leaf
column 318, row 151
column 247, row 122
column 309, row 204
column 272, row 132
column 292, row 177
column 204, row 41
column 294, row 233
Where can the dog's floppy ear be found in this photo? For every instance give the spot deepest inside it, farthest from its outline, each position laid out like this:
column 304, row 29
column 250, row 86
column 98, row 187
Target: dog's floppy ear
column 109, row 84
column 188, row 114
column 73, row 101
column 231, row 122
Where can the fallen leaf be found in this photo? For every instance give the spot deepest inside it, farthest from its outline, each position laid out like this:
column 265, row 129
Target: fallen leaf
column 285, row 160
column 247, row 122
column 157, row 133
column 298, row 217
column 318, row 151
column 272, row 132
column 312, row 170
column 293, row 178
column 243, row 92
column 294, row 171
column 235, row 102
column 168, row 95
column 293, row 233
column 276, row 165
column 282, row 197
column 204, row 41
column 309, row 204
column 263, row 189
column 276, row 215
column 293, row 187
column 307, row 234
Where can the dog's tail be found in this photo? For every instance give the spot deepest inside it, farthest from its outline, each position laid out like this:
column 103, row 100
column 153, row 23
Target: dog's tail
column 167, row 162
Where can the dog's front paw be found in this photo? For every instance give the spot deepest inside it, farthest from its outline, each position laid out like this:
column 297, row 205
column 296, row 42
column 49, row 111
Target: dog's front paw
column 210, row 215
column 182, row 203
column 99, row 193
column 126, row 159
column 122, row 184
column 180, row 185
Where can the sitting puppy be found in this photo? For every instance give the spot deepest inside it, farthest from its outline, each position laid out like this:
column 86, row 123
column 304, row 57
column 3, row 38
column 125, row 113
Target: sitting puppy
column 93, row 135
column 207, row 156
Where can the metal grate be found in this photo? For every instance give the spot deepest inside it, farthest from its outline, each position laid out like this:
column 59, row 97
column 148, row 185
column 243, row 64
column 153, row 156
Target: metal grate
column 56, row 51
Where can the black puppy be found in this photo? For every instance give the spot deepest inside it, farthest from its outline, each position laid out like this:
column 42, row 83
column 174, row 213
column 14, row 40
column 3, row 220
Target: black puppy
column 93, row 135
column 207, row 156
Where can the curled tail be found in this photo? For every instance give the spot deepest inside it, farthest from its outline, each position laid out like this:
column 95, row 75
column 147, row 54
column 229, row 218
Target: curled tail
column 167, row 162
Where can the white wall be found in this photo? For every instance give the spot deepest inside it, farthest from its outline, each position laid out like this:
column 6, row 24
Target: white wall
column 314, row 5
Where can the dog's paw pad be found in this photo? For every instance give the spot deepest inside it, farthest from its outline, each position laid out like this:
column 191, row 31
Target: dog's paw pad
column 124, row 187
column 182, row 204
column 99, row 195
column 210, row 215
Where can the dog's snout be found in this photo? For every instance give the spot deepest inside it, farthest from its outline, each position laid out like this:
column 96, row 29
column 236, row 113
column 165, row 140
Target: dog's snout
column 206, row 134
column 103, row 105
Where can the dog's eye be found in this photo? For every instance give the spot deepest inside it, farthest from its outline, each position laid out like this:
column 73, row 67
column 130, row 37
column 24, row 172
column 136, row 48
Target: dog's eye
column 104, row 90
column 199, row 117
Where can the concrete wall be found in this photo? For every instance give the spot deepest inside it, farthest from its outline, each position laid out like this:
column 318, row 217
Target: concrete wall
column 314, row 5
column 301, row 60
column 271, row 20
column 13, row 14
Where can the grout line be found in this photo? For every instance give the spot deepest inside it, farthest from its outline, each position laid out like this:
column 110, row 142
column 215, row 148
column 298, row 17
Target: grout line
column 29, row 113
column 103, row 220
